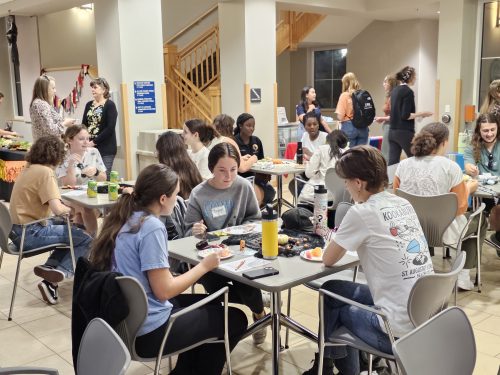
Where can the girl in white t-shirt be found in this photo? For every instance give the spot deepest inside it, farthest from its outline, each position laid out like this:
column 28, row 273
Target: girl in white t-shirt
column 312, row 138
column 385, row 232
column 429, row 172
column 81, row 164
column 322, row 159
column 193, row 131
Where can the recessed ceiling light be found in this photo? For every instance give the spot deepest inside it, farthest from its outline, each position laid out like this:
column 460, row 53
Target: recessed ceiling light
column 438, row 12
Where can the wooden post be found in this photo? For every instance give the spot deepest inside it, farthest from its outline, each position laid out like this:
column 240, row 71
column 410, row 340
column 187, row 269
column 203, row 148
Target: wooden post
column 126, row 130
column 215, row 101
column 170, row 61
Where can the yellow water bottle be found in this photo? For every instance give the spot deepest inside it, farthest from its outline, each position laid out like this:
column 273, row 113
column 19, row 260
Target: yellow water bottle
column 269, row 233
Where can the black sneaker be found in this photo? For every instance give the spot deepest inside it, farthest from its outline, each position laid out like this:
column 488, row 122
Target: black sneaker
column 49, row 273
column 48, row 292
column 327, row 366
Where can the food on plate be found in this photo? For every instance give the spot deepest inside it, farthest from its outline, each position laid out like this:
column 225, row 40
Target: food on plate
column 277, row 161
column 316, row 252
column 203, row 244
column 242, row 245
column 224, row 252
column 282, row 239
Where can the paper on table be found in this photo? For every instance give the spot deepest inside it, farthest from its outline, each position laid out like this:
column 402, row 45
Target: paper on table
column 244, row 264
column 74, row 193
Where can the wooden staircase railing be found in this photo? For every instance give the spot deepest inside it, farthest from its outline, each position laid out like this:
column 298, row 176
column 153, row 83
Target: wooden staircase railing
column 293, row 28
column 192, row 76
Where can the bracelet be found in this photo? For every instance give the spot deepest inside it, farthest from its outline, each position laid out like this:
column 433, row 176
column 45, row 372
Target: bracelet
column 96, row 172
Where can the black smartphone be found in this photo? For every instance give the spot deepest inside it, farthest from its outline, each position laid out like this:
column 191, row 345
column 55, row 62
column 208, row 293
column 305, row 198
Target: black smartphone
column 261, row 272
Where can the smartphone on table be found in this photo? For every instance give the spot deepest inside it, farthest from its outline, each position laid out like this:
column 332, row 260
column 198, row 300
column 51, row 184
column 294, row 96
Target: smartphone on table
column 260, row 272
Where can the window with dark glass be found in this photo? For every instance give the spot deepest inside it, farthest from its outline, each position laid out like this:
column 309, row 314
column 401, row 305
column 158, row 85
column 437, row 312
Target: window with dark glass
column 329, row 67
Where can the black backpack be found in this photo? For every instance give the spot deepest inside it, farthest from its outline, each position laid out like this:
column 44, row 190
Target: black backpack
column 363, row 109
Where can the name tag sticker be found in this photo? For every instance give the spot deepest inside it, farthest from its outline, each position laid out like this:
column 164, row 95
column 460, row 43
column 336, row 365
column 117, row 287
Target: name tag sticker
column 219, row 211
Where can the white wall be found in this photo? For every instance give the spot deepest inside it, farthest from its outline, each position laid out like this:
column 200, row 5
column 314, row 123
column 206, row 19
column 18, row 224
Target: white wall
column 336, row 30
column 177, row 14
column 67, row 38
column 386, row 47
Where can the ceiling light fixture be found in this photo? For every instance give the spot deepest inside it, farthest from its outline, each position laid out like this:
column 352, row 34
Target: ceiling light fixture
column 87, row 6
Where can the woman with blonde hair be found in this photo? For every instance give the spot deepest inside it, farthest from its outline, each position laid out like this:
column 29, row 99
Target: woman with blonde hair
column 45, row 120
column 345, row 111
column 491, row 103
column 389, row 83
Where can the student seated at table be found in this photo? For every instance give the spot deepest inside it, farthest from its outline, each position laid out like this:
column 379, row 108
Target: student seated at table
column 36, row 196
column 172, row 152
column 134, row 241
column 223, row 125
column 224, row 201
column 322, row 159
column 429, row 172
column 81, row 164
column 250, row 144
column 483, row 156
column 194, row 131
column 385, row 232
column 313, row 137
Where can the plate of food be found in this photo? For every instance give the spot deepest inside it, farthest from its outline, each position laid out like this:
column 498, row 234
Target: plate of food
column 241, row 229
column 313, row 255
column 222, row 250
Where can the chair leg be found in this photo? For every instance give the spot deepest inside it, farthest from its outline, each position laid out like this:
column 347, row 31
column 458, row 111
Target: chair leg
column 15, row 288
column 370, row 364
column 169, row 364
column 288, row 308
column 446, row 253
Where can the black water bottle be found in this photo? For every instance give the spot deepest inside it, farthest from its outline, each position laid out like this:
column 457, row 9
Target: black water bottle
column 300, row 153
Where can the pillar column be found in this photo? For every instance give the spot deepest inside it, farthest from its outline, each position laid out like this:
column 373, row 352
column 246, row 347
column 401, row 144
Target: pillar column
column 129, row 46
column 247, row 35
column 456, row 54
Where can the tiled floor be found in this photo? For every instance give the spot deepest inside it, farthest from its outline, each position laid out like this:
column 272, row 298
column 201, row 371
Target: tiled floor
column 40, row 334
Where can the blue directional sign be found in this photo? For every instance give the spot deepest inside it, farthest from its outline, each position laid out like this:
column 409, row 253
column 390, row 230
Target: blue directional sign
column 144, row 97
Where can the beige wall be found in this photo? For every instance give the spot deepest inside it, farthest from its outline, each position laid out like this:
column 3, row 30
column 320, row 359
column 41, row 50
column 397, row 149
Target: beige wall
column 491, row 47
column 67, row 38
column 177, row 14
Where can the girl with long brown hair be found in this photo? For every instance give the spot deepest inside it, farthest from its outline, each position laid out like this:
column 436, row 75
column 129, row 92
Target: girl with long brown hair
column 172, row 152
column 389, row 83
column 133, row 241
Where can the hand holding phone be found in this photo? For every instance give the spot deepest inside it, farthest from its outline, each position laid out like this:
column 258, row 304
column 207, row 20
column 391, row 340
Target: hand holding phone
column 260, row 272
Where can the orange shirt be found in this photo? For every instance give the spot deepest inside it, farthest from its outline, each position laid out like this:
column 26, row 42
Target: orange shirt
column 344, row 108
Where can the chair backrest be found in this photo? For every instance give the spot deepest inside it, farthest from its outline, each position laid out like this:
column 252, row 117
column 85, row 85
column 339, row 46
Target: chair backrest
column 435, row 213
column 336, row 187
column 444, row 345
column 102, row 351
column 138, row 307
column 430, row 294
column 5, row 227
column 340, row 212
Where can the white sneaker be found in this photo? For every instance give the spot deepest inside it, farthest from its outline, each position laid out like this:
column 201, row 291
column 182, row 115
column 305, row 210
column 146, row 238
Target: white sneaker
column 464, row 282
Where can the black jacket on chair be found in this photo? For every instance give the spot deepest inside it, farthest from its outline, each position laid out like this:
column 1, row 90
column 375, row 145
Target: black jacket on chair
column 96, row 294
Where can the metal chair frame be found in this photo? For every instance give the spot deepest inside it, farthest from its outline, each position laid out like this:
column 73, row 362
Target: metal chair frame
column 7, row 246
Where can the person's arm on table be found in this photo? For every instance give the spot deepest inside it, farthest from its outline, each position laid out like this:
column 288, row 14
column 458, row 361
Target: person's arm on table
column 165, row 286
column 333, row 253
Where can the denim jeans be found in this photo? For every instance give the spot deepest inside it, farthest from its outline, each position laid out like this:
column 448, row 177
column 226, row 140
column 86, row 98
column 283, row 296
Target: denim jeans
column 356, row 136
column 362, row 323
column 38, row 235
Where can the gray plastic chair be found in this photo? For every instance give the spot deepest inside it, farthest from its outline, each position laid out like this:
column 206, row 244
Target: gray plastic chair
column 138, row 305
column 28, row 370
column 429, row 295
column 435, row 213
column 336, row 186
column 444, row 345
column 102, row 351
column 6, row 246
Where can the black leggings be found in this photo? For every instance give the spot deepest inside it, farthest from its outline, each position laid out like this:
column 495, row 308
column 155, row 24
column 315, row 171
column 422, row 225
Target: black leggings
column 196, row 326
column 399, row 139
column 238, row 292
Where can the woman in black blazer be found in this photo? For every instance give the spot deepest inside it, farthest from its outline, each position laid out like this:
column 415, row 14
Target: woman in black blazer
column 100, row 117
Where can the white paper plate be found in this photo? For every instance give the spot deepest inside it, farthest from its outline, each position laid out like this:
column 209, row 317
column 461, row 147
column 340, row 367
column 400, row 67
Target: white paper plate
column 206, row 252
column 241, row 229
column 305, row 254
